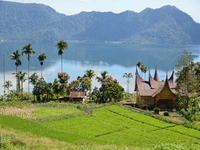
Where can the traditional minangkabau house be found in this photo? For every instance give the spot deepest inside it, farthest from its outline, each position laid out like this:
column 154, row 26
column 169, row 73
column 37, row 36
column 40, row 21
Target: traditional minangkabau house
column 155, row 93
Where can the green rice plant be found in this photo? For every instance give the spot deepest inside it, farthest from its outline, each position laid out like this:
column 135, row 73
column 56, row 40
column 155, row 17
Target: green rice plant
column 138, row 116
column 44, row 112
column 86, row 126
column 186, row 131
column 122, row 121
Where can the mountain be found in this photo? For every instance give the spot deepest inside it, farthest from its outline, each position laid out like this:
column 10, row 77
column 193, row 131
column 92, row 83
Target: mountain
column 41, row 23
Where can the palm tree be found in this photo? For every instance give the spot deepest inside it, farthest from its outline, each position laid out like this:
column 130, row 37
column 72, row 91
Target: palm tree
column 33, row 79
column 103, row 76
column 126, row 75
column 7, row 85
column 138, row 64
column 89, row 73
column 15, row 56
column 29, row 51
column 41, row 57
column 142, row 69
column 22, row 79
column 61, row 45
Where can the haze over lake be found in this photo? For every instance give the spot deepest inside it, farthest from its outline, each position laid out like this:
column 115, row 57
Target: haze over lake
column 115, row 58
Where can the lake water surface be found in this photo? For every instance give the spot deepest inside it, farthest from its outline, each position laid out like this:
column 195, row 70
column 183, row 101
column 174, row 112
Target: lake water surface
column 116, row 59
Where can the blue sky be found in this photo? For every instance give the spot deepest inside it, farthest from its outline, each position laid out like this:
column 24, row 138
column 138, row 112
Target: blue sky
column 71, row 7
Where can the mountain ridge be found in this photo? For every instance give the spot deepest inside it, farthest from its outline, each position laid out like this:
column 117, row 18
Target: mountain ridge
column 41, row 23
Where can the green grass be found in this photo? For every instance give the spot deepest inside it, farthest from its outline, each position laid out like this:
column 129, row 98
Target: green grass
column 53, row 113
column 111, row 125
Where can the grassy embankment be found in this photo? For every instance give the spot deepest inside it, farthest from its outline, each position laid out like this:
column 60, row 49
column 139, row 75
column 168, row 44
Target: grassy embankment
column 56, row 126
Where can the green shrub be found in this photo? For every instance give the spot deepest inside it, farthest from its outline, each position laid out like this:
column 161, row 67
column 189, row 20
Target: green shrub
column 166, row 113
column 156, row 110
column 145, row 107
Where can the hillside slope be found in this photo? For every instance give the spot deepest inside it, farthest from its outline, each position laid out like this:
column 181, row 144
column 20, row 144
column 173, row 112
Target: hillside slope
column 39, row 23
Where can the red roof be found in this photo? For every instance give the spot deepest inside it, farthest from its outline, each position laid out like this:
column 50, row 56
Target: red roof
column 153, row 86
column 77, row 94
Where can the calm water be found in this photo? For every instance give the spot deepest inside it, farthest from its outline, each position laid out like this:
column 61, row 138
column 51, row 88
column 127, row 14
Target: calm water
column 116, row 59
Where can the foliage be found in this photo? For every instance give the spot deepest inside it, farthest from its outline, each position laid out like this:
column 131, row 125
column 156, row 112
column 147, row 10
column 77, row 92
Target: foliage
column 89, row 73
column 86, row 84
column 166, row 113
column 145, row 106
column 56, row 87
column 64, row 77
column 113, row 90
column 156, row 110
column 7, row 84
column 173, row 147
column 109, row 90
column 128, row 75
column 40, row 87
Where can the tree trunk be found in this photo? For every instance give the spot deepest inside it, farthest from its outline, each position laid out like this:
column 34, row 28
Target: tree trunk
column 28, row 77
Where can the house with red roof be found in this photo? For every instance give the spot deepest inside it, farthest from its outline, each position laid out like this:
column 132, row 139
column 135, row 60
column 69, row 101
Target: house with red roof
column 155, row 93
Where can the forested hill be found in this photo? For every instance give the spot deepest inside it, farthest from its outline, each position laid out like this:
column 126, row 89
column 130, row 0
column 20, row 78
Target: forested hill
column 41, row 23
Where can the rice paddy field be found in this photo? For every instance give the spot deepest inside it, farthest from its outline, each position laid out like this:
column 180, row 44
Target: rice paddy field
column 108, row 127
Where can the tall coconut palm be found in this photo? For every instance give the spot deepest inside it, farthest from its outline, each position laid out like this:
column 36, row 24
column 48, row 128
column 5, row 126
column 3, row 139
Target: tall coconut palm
column 41, row 57
column 126, row 75
column 61, row 45
column 15, row 56
column 29, row 51
column 7, row 85
column 22, row 79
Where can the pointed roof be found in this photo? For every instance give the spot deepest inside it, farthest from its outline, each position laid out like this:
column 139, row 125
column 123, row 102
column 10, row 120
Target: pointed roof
column 171, row 81
column 153, row 87
column 156, row 75
column 161, row 88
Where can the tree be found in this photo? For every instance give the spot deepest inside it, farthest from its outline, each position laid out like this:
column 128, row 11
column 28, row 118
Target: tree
column 126, row 75
column 28, row 51
column 22, row 79
column 103, row 77
column 61, row 45
column 40, row 87
column 138, row 64
column 15, row 56
column 89, row 73
column 64, row 77
column 33, row 79
column 187, row 81
column 7, row 85
column 48, row 90
column 41, row 57
column 113, row 90
column 86, row 84
column 56, row 87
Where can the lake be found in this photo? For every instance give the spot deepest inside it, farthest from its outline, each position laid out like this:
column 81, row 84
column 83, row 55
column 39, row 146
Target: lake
column 114, row 58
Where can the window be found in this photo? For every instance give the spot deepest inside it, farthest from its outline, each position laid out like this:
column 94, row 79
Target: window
column 147, row 101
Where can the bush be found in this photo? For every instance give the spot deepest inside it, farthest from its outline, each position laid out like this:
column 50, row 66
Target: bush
column 166, row 113
column 173, row 146
column 145, row 107
column 156, row 110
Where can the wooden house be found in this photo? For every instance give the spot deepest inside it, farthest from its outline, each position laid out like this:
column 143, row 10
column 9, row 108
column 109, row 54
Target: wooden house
column 75, row 96
column 155, row 93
